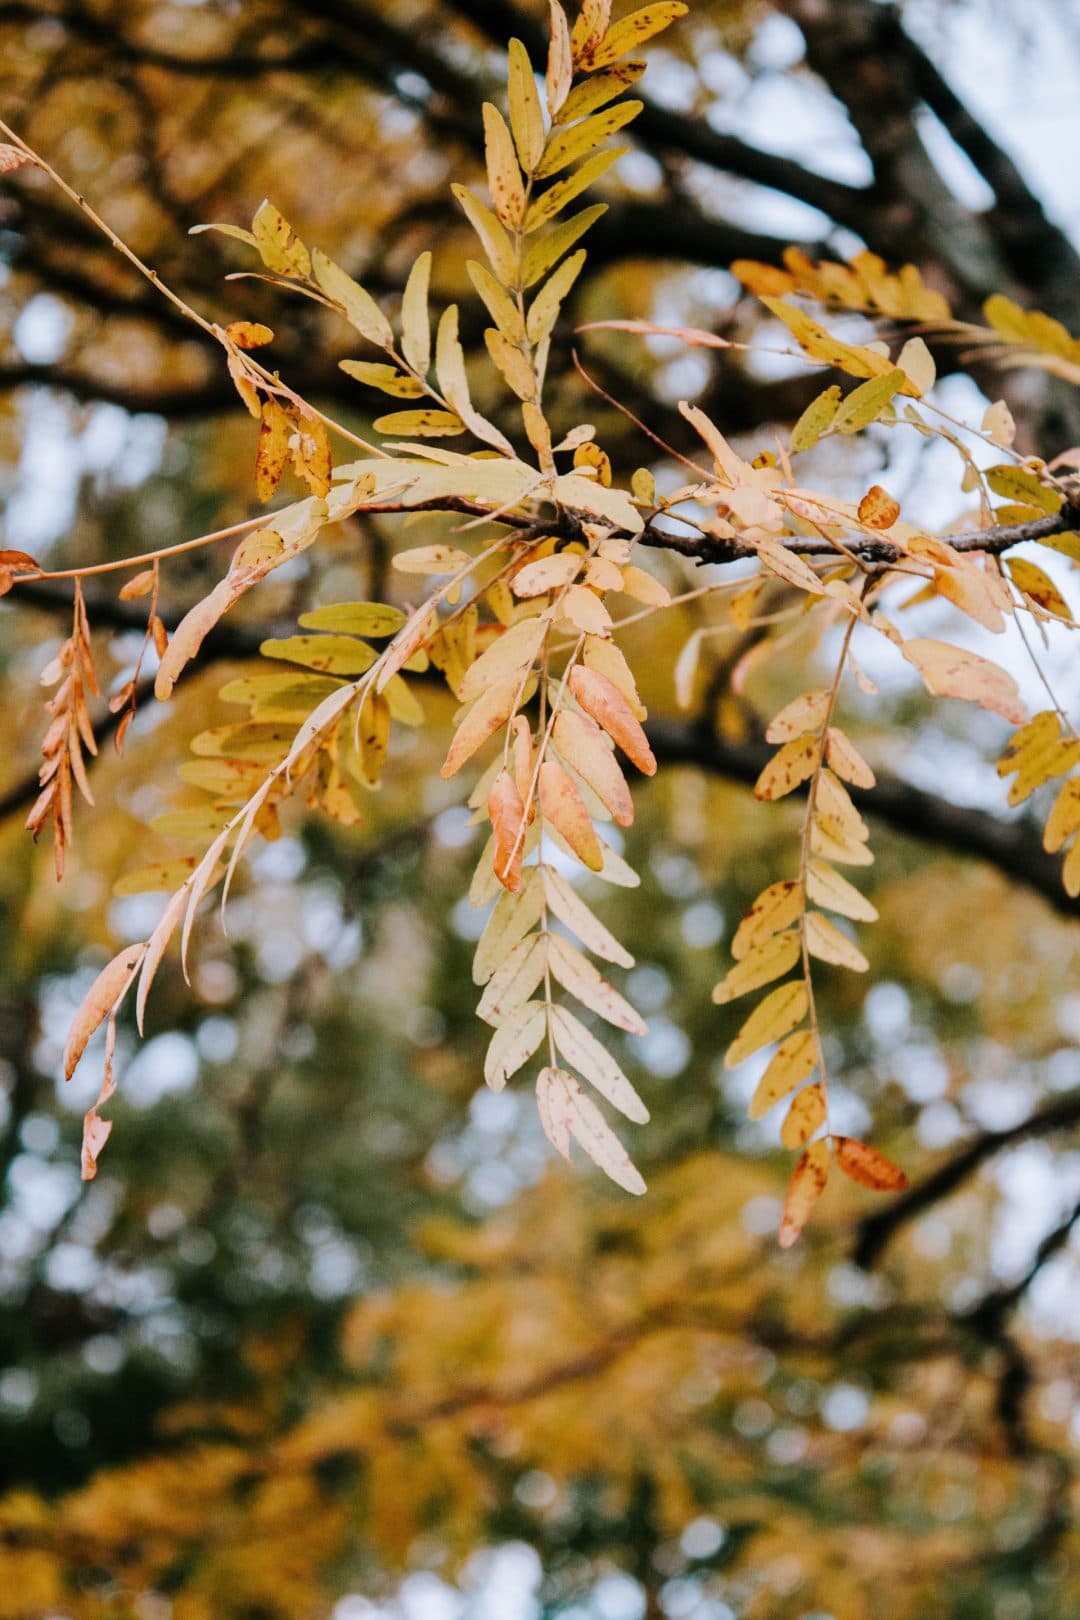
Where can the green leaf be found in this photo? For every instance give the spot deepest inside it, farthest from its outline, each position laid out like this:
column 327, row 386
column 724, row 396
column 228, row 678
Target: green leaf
column 330, row 655
column 355, row 618
column 816, row 420
column 866, row 403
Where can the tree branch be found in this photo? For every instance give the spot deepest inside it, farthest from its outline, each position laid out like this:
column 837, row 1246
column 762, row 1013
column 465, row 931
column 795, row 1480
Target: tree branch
column 876, row 1230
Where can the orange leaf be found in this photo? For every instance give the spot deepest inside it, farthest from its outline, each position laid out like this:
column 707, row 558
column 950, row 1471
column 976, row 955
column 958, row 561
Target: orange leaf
column 560, row 803
column 867, row 1166
column 806, row 1186
column 602, row 699
column 584, row 747
column 107, row 989
column 507, row 814
column 485, row 717
column 878, row 509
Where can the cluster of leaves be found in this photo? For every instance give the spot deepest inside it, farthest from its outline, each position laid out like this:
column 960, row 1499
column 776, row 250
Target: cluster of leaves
column 522, row 629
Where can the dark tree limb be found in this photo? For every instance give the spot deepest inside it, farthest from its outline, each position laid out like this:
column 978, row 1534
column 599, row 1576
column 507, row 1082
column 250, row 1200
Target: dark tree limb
column 876, row 1230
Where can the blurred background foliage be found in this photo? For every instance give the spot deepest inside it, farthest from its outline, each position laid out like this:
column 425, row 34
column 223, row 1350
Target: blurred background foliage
column 329, row 1334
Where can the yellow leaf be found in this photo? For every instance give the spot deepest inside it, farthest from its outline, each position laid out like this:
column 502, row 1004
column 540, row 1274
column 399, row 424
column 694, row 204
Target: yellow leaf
column 803, row 714
column 1030, row 579
column 415, row 322
column 450, row 367
column 427, row 423
column 808, row 1181
column 560, row 63
column 598, row 89
column 1064, row 819
column 515, row 366
column 806, row 1113
column 504, row 176
column 545, row 251
column 355, row 619
column 373, row 738
column 583, row 609
column 493, row 237
column 633, row 31
column 775, row 908
column 828, row 888
column 1014, row 483
column 329, row 654
column 581, row 1049
column 359, row 308
column 508, row 657
column 500, row 306
column 866, row 403
column 917, row 364
column 544, row 309
column 272, row 456
column 576, row 142
column 794, row 1061
column 844, row 758
column 526, row 116
column 514, row 1043
column 431, row 560
column 576, row 973
column 547, row 574
column 785, row 564
column 829, row 944
column 388, row 379
column 954, row 672
column 279, row 247
column 791, row 765
column 771, row 960
column 770, row 1020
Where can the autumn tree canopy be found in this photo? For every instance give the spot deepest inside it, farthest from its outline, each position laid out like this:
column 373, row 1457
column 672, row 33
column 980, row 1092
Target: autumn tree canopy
column 449, row 462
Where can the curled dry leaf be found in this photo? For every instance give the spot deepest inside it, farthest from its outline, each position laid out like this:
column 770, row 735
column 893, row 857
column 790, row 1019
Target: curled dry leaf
column 878, row 509
column 103, row 996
